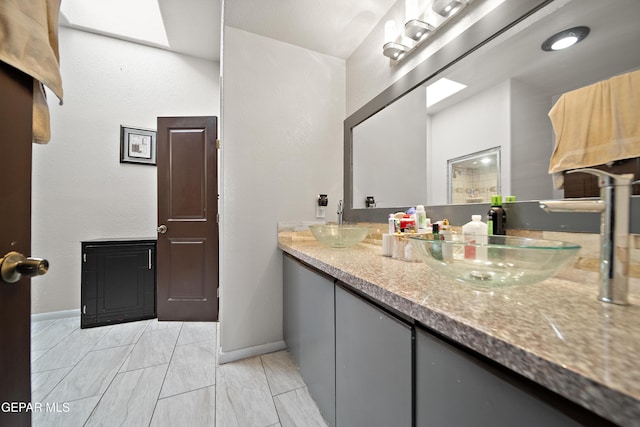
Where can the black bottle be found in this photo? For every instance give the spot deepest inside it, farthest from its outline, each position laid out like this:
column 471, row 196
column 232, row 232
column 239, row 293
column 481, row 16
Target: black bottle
column 436, row 247
column 496, row 218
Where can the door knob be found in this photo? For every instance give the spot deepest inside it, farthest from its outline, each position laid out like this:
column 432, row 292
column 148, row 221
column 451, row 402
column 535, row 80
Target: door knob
column 14, row 265
column 162, row 229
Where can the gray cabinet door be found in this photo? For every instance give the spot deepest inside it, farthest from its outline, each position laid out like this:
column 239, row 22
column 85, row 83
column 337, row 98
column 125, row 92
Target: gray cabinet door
column 456, row 389
column 373, row 365
column 309, row 331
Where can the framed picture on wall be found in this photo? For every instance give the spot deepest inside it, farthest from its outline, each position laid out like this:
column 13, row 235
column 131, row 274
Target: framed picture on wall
column 137, row 145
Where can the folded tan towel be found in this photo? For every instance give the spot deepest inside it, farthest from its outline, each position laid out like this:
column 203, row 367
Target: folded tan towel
column 597, row 124
column 29, row 42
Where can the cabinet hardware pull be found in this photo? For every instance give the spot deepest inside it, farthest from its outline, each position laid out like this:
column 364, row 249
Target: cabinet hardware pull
column 149, row 259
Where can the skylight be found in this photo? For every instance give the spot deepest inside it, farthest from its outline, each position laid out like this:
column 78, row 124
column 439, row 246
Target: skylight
column 135, row 20
column 441, row 89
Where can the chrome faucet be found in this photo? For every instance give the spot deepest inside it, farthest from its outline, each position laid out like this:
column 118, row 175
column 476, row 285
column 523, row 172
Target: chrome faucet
column 613, row 205
column 340, row 212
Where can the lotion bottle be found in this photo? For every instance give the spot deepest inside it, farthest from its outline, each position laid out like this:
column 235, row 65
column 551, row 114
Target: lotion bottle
column 421, row 219
column 475, row 232
column 447, row 235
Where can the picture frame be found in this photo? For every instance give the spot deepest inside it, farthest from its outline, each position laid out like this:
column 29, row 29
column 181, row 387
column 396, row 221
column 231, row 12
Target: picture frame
column 137, row 145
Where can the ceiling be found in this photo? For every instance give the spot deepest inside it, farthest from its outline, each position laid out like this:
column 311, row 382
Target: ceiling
column 331, row 27
column 518, row 55
column 192, row 26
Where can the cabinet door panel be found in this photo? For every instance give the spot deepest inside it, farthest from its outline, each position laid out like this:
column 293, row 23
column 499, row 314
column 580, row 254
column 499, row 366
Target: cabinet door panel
column 118, row 282
column 373, row 365
column 456, row 389
column 309, row 332
column 292, row 307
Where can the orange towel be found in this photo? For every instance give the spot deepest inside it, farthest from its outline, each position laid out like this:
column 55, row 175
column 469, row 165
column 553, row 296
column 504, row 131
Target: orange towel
column 29, row 42
column 597, row 124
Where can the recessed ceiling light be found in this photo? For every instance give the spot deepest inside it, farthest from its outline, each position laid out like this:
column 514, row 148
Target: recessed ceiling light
column 565, row 38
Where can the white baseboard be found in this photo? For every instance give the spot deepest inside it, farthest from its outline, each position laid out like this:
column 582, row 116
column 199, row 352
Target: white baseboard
column 243, row 353
column 55, row 315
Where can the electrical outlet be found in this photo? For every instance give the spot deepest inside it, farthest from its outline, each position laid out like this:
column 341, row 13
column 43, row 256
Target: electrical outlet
column 321, row 206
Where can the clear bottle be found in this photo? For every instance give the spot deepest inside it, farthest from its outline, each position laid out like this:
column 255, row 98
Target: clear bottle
column 496, row 218
column 446, row 234
column 421, row 219
column 392, row 224
column 475, row 232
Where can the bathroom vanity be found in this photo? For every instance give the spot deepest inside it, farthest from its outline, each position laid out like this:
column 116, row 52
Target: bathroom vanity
column 385, row 342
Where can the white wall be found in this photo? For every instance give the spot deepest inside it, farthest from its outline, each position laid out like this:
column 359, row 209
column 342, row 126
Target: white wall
column 369, row 72
column 283, row 108
column 80, row 190
column 483, row 128
column 532, row 142
column 391, row 149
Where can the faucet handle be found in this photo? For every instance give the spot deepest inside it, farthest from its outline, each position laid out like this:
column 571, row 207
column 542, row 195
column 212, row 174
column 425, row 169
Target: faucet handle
column 606, row 179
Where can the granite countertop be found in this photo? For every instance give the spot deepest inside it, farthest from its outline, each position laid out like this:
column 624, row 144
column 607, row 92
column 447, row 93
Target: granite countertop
column 555, row 333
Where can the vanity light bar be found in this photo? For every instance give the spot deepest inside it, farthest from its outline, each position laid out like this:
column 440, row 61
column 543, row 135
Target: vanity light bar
column 394, row 50
column 417, row 29
column 448, row 8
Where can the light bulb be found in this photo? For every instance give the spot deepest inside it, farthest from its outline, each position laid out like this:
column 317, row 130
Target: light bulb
column 390, row 31
column 410, row 10
column 564, row 43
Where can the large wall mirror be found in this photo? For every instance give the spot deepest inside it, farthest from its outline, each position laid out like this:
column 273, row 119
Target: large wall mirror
column 503, row 88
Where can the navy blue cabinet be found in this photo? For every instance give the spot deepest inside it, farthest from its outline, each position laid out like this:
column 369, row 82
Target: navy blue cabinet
column 118, row 281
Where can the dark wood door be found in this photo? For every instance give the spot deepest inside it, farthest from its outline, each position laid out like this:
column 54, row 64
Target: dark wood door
column 187, row 270
column 16, row 92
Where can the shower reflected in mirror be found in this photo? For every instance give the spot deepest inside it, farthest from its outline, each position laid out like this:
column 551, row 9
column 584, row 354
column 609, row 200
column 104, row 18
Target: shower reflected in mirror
column 474, row 178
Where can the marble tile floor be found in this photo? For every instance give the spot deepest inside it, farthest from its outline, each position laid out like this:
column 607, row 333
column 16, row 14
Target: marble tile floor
column 151, row 373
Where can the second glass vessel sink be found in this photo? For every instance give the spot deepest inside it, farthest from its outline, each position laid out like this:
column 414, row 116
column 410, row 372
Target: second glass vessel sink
column 339, row 236
column 503, row 261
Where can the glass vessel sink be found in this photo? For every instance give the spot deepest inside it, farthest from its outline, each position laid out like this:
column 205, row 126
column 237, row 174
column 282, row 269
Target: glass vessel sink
column 502, row 261
column 339, row 236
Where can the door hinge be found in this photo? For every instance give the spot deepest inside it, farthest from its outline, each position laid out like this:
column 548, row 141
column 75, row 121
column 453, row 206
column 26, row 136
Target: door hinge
column 218, row 144
column 217, row 292
column 84, row 309
column 84, row 257
column 218, row 217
